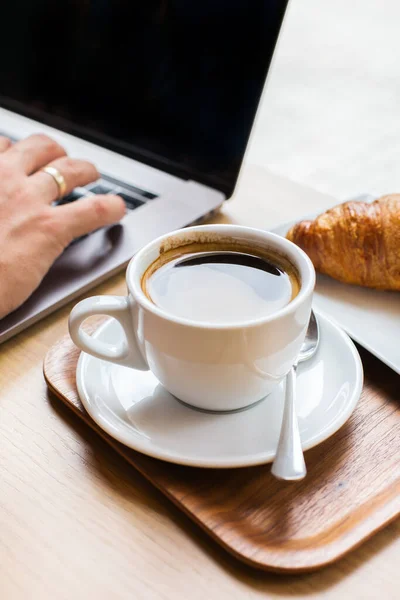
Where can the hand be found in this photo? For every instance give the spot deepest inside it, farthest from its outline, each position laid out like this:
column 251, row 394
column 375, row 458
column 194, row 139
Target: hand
column 33, row 233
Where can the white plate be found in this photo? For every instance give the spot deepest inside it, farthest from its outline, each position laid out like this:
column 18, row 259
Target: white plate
column 370, row 317
column 136, row 410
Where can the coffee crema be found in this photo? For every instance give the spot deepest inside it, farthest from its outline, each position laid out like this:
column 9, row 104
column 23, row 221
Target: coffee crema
column 220, row 282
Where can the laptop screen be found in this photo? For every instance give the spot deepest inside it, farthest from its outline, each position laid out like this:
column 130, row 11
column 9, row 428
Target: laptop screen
column 173, row 83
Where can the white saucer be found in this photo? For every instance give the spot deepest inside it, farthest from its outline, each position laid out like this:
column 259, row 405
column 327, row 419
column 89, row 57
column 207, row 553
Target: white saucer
column 136, row 410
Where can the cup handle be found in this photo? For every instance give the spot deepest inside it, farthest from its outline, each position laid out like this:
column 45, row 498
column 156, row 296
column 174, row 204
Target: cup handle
column 127, row 352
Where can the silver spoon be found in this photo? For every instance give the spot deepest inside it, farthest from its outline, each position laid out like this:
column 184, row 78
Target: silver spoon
column 289, row 462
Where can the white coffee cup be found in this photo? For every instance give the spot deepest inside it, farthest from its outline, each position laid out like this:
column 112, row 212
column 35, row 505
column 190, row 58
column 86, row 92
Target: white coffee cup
column 212, row 366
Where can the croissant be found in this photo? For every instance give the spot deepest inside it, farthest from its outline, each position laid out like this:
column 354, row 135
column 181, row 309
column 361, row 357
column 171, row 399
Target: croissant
column 355, row 242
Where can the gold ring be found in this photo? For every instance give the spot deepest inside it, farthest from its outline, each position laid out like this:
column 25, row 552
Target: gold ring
column 58, row 178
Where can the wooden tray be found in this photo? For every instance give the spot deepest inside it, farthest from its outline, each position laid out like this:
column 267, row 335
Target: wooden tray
column 352, row 490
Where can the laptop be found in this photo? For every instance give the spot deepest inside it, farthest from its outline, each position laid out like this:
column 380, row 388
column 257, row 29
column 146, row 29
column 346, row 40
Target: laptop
column 161, row 95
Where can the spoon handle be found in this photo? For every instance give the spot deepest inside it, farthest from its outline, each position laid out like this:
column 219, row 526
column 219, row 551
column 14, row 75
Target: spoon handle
column 289, row 462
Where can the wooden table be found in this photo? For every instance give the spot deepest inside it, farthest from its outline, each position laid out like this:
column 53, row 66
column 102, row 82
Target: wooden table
column 77, row 522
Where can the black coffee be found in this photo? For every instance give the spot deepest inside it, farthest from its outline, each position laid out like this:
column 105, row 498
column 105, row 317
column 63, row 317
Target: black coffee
column 220, row 286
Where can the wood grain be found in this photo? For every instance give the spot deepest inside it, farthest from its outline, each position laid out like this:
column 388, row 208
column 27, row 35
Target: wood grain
column 77, row 521
column 270, row 525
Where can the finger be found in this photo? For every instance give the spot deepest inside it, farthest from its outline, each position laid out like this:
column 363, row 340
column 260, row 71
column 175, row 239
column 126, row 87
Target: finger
column 34, row 152
column 90, row 213
column 75, row 172
column 5, row 143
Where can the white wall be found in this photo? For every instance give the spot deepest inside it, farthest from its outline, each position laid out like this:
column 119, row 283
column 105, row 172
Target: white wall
column 330, row 115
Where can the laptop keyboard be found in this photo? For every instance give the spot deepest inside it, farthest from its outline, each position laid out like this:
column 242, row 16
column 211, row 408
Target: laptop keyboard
column 133, row 196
